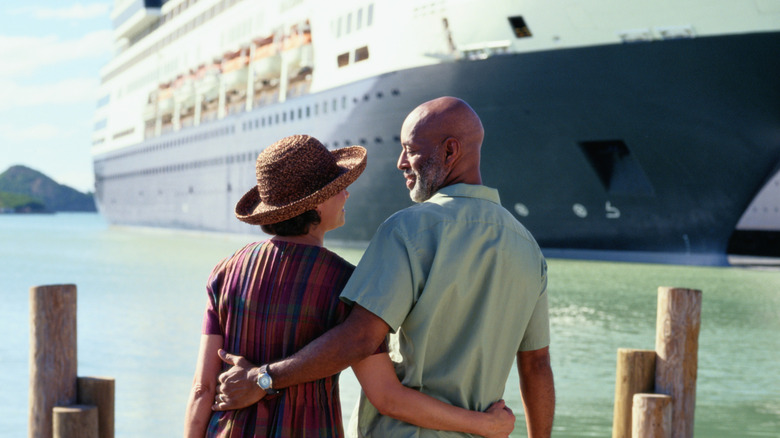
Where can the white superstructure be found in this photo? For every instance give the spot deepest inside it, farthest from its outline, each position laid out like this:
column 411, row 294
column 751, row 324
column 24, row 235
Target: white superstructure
column 186, row 62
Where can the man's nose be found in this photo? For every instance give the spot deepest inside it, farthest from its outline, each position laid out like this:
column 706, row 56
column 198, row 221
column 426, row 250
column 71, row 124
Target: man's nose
column 402, row 162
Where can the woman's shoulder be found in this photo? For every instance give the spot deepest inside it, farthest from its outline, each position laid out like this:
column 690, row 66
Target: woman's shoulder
column 336, row 260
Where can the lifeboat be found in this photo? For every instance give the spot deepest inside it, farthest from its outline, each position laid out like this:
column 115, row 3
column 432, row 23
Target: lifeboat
column 234, row 69
column 206, row 80
column 184, row 90
column 165, row 104
column 165, row 99
column 184, row 96
column 150, row 114
column 266, row 61
column 298, row 51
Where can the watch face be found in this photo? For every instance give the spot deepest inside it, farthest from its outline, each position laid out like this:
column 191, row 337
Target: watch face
column 264, row 381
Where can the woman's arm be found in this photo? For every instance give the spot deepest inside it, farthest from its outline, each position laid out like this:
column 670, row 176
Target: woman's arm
column 391, row 398
column 204, row 386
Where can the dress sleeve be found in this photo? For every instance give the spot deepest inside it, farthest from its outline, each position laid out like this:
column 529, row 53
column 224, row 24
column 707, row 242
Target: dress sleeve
column 210, row 324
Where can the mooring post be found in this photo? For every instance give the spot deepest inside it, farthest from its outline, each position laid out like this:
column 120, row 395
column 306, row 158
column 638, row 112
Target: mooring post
column 53, row 361
column 677, row 345
column 75, row 421
column 652, row 416
column 635, row 374
column 99, row 391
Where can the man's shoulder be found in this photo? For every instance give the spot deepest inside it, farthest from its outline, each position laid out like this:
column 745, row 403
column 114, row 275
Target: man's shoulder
column 408, row 216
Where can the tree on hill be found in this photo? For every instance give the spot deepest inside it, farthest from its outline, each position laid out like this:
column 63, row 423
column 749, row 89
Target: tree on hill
column 12, row 202
column 22, row 180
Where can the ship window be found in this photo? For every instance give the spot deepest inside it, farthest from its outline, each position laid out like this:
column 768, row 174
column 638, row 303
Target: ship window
column 370, row 18
column 617, row 168
column 359, row 20
column 343, row 59
column 349, row 23
column 361, row 54
column 519, row 27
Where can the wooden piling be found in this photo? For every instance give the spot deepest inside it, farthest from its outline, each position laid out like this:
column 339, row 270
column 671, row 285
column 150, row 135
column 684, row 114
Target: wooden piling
column 651, row 416
column 99, row 392
column 75, row 421
column 53, row 359
column 635, row 374
column 677, row 345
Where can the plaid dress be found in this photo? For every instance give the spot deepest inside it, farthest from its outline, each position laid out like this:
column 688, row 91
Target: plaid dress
column 269, row 300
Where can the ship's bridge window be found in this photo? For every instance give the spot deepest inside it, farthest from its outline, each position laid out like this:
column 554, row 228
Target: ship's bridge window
column 361, row 54
column 343, row 59
column 519, row 27
column 103, row 101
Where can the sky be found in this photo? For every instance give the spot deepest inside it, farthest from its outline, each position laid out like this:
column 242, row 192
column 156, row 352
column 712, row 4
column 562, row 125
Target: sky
column 51, row 53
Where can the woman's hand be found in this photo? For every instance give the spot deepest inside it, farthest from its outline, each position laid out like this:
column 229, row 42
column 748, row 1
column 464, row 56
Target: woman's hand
column 501, row 420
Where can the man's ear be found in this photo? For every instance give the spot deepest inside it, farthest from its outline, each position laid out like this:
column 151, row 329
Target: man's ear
column 451, row 151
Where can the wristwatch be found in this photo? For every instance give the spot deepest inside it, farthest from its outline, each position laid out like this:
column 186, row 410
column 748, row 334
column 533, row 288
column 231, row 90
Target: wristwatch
column 265, row 381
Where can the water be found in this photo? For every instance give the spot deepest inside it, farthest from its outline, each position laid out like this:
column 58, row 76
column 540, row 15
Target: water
column 141, row 297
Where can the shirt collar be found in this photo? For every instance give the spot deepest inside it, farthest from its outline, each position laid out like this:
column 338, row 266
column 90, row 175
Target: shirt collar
column 468, row 191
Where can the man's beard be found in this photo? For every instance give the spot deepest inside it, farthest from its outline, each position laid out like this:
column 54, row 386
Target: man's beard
column 428, row 180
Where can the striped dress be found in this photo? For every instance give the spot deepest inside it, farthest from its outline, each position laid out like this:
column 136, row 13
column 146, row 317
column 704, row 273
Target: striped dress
column 269, row 300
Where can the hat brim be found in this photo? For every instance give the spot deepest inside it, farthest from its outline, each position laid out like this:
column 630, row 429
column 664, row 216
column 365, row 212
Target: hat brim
column 251, row 209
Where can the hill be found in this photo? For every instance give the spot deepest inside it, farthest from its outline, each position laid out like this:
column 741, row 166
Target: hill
column 21, row 180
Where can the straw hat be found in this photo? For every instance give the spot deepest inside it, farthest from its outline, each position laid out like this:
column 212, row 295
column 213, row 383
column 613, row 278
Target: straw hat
column 296, row 174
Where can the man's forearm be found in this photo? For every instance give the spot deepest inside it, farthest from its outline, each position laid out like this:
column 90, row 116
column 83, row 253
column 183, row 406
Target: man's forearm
column 346, row 344
column 538, row 391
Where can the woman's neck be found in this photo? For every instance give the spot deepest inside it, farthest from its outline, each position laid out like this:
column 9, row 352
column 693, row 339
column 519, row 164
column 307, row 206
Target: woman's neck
column 313, row 239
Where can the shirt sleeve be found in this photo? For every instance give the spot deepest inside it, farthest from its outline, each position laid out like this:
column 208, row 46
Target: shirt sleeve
column 537, row 333
column 383, row 280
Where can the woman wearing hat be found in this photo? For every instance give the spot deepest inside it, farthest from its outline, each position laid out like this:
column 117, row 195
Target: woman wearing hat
column 273, row 297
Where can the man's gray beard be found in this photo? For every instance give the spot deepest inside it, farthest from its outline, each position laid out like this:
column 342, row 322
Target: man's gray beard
column 427, row 181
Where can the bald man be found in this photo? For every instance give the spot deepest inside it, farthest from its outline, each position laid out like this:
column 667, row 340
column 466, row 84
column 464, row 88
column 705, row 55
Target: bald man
column 456, row 280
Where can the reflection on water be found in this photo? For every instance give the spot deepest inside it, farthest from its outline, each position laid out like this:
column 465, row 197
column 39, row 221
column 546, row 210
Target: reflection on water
column 141, row 297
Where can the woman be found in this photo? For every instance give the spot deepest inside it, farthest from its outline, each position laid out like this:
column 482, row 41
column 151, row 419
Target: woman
column 273, row 297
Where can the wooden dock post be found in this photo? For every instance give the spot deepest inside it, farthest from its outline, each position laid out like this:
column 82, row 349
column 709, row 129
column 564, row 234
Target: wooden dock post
column 99, row 391
column 53, row 361
column 677, row 345
column 652, row 416
column 635, row 374
column 75, row 421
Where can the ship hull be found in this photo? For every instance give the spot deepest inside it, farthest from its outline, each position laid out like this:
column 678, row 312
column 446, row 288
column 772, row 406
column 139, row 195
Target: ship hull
column 645, row 151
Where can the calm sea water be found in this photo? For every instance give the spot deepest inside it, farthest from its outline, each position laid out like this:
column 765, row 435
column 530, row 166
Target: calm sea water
column 141, row 297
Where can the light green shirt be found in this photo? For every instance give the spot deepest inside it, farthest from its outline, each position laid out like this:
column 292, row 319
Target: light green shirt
column 462, row 284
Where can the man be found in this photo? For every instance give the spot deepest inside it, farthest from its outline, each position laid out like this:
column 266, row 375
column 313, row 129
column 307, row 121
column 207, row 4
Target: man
column 460, row 283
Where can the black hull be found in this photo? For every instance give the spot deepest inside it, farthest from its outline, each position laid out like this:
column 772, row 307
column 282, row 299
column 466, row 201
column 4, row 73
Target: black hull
column 651, row 149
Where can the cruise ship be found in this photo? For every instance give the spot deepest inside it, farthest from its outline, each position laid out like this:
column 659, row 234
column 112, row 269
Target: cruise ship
column 615, row 130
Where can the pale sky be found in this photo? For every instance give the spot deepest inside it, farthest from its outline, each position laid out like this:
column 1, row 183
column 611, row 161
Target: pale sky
column 51, row 52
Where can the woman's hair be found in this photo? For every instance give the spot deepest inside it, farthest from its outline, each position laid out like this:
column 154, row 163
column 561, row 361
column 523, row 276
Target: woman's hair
column 296, row 226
